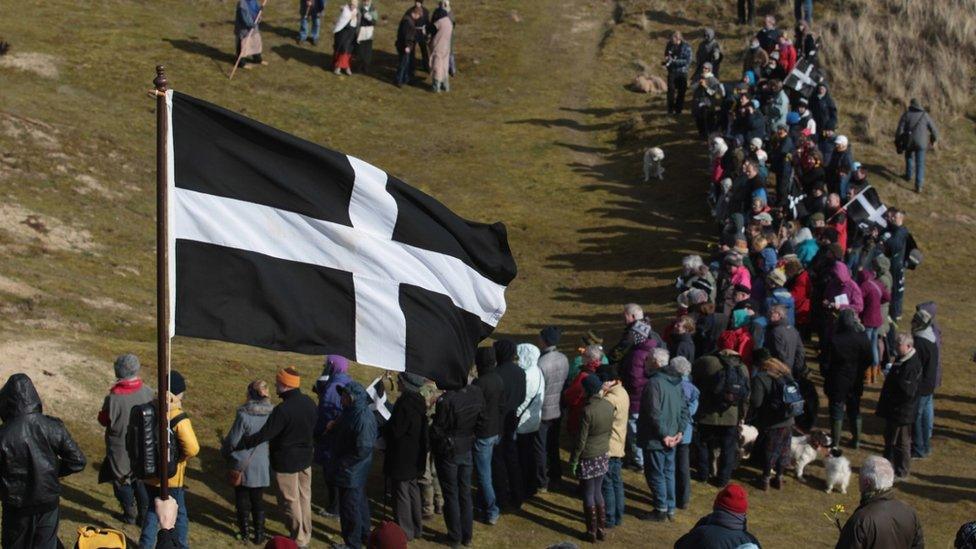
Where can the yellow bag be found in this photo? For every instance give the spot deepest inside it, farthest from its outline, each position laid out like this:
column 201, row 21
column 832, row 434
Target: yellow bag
column 92, row 537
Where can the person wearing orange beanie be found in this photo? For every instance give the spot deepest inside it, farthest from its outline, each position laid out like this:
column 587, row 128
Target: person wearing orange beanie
column 725, row 526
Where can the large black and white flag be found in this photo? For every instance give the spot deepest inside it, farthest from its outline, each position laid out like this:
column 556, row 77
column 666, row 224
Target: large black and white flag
column 803, row 79
column 866, row 208
column 283, row 244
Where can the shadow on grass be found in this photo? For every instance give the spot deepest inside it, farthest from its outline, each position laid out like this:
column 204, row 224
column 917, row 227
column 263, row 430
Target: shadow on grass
column 199, row 48
column 382, row 67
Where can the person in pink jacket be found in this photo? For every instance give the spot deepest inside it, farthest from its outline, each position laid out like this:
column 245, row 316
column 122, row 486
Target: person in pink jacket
column 874, row 294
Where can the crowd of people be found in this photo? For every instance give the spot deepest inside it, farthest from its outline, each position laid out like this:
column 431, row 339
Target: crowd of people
column 791, row 271
column 424, row 40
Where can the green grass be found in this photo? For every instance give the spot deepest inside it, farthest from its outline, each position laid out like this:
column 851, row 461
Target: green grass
column 528, row 136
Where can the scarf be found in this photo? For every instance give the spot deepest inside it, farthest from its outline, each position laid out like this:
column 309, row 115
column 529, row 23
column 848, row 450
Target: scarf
column 126, row 386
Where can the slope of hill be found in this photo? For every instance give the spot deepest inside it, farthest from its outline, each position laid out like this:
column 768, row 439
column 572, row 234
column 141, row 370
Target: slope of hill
column 535, row 110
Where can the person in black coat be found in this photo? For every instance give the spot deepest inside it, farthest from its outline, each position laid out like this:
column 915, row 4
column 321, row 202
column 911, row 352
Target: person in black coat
column 507, row 473
column 848, row 357
column 926, row 339
column 488, row 431
column 406, row 40
column 824, row 109
column 35, row 452
column 898, row 402
column 784, row 343
column 422, row 23
column 406, row 453
column 781, row 162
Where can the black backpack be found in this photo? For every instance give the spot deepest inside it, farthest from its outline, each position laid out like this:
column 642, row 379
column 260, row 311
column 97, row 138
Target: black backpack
column 731, row 387
column 142, row 442
column 787, row 399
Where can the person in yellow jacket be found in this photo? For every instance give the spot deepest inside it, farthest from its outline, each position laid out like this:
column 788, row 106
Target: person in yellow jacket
column 189, row 447
column 613, row 483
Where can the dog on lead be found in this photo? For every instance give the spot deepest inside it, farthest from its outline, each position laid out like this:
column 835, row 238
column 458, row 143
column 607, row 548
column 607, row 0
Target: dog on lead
column 805, row 449
column 838, row 470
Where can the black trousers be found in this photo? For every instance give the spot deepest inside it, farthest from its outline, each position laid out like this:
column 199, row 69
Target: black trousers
column 897, row 448
column 677, row 86
column 532, row 461
column 708, row 437
column 454, row 473
column 24, row 530
column 249, row 500
column 364, row 52
column 506, row 472
column 552, row 470
column 747, row 9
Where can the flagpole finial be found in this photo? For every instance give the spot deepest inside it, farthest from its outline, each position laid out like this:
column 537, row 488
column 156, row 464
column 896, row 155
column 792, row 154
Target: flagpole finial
column 160, row 81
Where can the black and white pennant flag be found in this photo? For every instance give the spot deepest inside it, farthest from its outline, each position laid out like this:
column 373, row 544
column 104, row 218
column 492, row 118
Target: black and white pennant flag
column 803, row 79
column 280, row 243
column 866, row 208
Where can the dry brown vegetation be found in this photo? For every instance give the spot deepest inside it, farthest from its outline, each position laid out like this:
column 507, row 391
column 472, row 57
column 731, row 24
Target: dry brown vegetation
column 905, row 48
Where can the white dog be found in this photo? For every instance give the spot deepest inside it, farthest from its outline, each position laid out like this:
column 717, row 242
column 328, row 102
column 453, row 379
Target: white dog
column 652, row 164
column 747, row 437
column 838, row 470
column 805, row 449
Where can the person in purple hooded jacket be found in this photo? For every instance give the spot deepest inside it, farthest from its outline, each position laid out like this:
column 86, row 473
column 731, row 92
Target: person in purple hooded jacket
column 334, row 376
column 629, row 354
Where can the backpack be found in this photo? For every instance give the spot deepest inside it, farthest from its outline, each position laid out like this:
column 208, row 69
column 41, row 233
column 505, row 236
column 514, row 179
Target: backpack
column 93, row 537
column 731, row 387
column 142, row 442
column 787, row 400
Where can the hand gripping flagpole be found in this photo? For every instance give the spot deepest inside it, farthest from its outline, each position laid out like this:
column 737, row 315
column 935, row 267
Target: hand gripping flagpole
column 162, row 276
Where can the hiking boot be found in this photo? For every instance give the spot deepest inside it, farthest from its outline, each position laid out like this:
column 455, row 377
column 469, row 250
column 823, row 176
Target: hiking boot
column 764, row 483
column 601, row 522
column 259, row 537
column 243, row 529
column 653, row 516
column 589, row 516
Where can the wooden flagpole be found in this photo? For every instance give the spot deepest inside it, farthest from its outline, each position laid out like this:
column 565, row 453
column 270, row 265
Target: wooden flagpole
column 162, row 276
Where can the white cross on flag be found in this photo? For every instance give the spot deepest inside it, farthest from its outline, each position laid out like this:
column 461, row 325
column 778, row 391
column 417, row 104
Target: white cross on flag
column 866, row 208
column 803, row 78
column 286, row 245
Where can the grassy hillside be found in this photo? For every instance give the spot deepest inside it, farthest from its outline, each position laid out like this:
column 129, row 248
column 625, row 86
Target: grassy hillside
column 530, row 136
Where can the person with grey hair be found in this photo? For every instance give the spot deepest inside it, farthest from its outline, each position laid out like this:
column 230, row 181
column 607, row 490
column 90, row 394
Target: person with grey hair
column 897, row 404
column 660, row 429
column 127, row 392
column 709, row 51
column 880, row 520
column 677, row 58
column 680, row 368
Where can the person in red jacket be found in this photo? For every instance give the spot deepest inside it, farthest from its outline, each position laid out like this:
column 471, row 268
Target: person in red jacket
column 738, row 338
column 837, row 219
column 574, row 397
column 800, row 287
column 787, row 54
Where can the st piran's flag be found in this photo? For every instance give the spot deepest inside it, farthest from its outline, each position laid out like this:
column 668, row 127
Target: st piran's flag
column 804, row 78
column 866, row 209
column 283, row 244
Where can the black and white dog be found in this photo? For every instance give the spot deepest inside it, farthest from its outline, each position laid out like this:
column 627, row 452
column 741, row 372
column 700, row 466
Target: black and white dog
column 805, row 449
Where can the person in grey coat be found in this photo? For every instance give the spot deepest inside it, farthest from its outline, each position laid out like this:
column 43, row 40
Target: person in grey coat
column 254, row 463
column 915, row 133
column 127, row 393
column 555, row 369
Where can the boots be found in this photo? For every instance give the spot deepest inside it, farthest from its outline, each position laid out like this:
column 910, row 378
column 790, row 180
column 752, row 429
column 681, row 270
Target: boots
column 601, row 522
column 259, row 537
column 856, row 440
column 130, row 514
column 589, row 514
column 243, row 529
column 764, row 482
column 836, row 427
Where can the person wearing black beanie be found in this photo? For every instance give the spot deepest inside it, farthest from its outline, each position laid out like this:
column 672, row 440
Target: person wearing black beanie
column 488, row 431
column 506, row 469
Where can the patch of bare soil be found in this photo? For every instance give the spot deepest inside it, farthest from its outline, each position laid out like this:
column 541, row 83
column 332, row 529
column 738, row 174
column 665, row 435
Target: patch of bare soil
column 41, row 64
column 17, row 288
column 50, row 233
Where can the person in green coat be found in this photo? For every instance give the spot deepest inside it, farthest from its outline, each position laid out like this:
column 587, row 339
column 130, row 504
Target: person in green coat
column 591, row 456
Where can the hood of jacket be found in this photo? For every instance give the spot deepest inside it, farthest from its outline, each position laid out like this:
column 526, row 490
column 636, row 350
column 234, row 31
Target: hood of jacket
column 848, row 322
column 840, row 272
column 803, row 235
column 261, row 407
column 726, row 519
column 528, row 355
column 709, row 34
column 360, row 400
column 882, row 265
column 19, row 398
column 484, row 360
column 865, row 275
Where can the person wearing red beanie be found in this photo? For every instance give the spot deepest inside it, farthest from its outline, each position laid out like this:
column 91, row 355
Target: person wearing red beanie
column 725, row 526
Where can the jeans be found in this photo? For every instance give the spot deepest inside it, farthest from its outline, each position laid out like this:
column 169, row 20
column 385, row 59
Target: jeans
column 455, row 474
column 147, row 540
column 897, row 293
column 915, row 165
column 682, row 475
column 483, row 448
column 659, row 473
column 404, row 69
column 922, row 430
column 132, row 495
column 552, row 467
column 21, row 529
column 316, row 26
column 724, row 437
column 872, row 334
column 803, row 9
column 613, row 492
column 633, row 452
column 354, row 516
